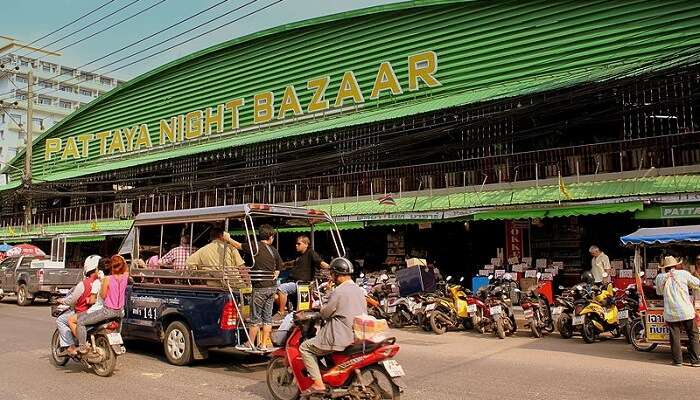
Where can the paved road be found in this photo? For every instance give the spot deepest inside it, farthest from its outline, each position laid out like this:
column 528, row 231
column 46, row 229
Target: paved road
column 457, row 365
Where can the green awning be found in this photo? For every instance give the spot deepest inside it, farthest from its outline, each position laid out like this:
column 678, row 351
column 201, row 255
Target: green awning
column 543, row 195
column 564, row 211
column 80, row 239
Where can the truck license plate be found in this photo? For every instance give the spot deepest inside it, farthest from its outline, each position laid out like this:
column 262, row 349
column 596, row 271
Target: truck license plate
column 115, row 338
column 393, row 368
column 577, row 320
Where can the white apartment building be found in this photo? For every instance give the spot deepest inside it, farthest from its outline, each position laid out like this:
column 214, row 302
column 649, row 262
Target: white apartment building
column 58, row 90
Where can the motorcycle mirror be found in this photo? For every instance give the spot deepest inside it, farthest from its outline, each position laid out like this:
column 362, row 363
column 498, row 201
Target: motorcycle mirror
column 641, row 273
column 449, row 277
column 362, row 275
column 605, row 275
column 490, row 277
column 561, row 287
column 461, row 279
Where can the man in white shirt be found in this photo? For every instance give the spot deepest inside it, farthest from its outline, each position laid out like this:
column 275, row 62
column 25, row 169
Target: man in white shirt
column 600, row 264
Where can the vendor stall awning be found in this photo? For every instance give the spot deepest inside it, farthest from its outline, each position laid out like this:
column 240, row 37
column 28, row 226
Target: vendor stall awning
column 564, row 211
column 688, row 233
column 81, row 239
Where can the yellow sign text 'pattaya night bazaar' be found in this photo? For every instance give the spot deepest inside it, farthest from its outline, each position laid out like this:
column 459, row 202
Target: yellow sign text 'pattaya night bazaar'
column 422, row 68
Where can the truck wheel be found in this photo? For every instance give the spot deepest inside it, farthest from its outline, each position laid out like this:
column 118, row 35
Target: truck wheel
column 23, row 295
column 178, row 344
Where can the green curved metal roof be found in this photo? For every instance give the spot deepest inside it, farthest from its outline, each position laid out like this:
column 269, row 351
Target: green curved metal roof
column 486, row 50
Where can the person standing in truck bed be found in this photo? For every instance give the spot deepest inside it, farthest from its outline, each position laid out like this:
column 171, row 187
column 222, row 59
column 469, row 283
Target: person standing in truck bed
column 219, row 254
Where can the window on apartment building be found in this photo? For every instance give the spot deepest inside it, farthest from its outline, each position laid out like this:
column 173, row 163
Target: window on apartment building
column 68, row 89
column 106, row 81
column 11, row 151
column 2, row 118
column 65, row 104
column 47, row 67
column 44, row 100
column 86, row 92
column 38, row 123
column 46, row 84
column 2, row 134
column 21, row 79
column 87, row 76
column 16, row 118
column 20, row 96
column 67, row 71
column 24, row 63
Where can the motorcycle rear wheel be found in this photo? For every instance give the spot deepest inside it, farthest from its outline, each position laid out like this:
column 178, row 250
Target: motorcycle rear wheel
column 536, row 332
column 588, row 331
column 57, row 360
column 566, row 330
column 437, row 323
column 382, row 384
column 636, row 335
column 280, row 381
column 500, row 332
column 107, row 366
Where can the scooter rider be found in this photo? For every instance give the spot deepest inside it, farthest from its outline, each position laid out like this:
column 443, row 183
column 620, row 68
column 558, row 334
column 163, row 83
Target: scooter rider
column 77, row 298
column 346, row 302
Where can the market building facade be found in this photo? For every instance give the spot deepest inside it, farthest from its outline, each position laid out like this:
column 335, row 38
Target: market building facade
column 444, row 130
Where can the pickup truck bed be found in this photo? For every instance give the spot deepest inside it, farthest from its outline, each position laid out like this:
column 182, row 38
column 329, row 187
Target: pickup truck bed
column 186, row 320
column 25, row 277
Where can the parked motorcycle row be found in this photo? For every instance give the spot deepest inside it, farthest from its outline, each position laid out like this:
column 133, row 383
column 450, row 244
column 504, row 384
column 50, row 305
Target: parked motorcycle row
column 588, row 310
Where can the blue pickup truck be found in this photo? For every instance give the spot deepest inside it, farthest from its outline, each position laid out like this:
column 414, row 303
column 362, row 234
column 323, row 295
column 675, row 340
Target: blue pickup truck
column 187, row 321
column 193, row 310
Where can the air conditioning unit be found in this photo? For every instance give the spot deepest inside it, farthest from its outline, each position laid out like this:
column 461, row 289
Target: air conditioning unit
column 123, row 211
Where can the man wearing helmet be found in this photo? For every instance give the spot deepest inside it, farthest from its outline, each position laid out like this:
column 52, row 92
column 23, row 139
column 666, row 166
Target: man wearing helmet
column 346, row 302
column 77, row 298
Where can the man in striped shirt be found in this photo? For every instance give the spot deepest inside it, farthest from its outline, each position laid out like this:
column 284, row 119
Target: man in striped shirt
column 679, row 308
column 177, row 257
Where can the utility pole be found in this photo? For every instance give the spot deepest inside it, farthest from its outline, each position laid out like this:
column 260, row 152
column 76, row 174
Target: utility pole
column 28, row 149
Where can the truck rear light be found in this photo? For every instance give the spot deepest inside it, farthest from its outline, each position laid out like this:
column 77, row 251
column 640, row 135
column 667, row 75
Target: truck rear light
column 40, row 276
column 229, row 316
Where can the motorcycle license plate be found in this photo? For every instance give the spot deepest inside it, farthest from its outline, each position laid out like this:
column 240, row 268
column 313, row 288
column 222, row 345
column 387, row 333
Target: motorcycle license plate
column 577, row 320
column 115, row 338
column 624, row 314
column 391, row 309
column 393, row 368
column 557, row 310
column 495, row 310
column 528, row 313
column 430, row 307
column 63, row 291
column 471, row 308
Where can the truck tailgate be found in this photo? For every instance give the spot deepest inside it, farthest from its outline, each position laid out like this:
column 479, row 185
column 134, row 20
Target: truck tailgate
column 61, row 277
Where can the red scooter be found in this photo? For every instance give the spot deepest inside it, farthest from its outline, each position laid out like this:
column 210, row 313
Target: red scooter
column 361, row 371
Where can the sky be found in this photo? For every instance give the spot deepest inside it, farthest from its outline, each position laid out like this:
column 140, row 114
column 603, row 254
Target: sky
column 30, row 20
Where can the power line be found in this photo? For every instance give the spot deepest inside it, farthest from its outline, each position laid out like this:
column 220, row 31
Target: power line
column 165, row 41
column 113, row 25
column 63, row 27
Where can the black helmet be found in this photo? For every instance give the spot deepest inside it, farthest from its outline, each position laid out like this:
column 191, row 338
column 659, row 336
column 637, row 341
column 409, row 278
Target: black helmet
column 342, row 266
column 587, row 276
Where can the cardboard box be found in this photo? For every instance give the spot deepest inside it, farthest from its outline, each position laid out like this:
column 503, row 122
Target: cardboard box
column 415, row 262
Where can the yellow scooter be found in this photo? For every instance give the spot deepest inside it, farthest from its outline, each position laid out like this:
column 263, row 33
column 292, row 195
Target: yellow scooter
column 600, row 314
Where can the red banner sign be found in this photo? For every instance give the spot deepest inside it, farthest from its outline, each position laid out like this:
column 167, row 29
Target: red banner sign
column 514, row 239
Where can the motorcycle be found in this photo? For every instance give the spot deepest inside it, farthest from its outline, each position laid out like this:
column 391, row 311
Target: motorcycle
column 536, row 312
column 404, row 311
column 500, row 318
column 362, row 371
column 567, row 307
column 106, row 341
column 450, row 311
column 600, row 314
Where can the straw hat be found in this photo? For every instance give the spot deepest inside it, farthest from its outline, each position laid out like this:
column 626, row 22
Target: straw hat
column 670, row 261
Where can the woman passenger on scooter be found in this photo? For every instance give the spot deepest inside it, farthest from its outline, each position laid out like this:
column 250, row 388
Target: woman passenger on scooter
column 112, row 292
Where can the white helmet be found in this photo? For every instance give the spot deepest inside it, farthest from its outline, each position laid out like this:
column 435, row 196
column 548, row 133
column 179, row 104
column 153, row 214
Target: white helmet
column 91, row 263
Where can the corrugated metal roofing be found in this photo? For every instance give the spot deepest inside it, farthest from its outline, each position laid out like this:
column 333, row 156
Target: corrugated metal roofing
column 486, row 50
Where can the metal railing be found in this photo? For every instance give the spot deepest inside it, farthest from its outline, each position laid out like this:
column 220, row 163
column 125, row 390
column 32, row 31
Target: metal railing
column 584, row 160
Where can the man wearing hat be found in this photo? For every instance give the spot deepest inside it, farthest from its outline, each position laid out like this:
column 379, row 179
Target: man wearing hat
column 679, row 307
